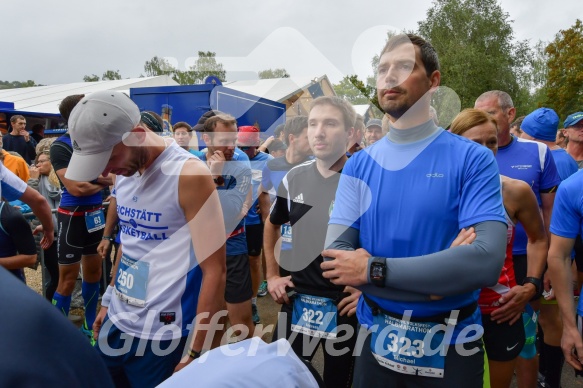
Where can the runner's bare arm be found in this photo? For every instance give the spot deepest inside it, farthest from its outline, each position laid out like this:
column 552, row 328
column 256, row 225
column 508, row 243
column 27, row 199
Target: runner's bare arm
column 560, row 272
column 199, row 199
column 522, row 206
column 42, row 211
column 79, row 189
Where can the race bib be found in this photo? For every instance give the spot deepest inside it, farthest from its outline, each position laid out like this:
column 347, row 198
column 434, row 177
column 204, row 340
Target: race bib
column 314, row 316
column 131, row 282
column 95, row 220
column 286, row 233
column 408, row 347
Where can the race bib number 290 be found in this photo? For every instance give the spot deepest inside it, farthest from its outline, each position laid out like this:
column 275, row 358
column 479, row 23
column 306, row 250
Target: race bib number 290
column 131, row 281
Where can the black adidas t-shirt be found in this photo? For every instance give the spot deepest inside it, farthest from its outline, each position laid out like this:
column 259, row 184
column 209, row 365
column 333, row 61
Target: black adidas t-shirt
column 305, row 198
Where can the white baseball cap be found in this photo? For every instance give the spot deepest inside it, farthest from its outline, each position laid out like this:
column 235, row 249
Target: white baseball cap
column 96, row 124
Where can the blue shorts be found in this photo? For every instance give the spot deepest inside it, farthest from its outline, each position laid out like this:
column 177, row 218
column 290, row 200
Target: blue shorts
column 144, row 363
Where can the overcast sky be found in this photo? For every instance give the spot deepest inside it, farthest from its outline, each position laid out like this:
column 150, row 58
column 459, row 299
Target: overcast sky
column 60, row 41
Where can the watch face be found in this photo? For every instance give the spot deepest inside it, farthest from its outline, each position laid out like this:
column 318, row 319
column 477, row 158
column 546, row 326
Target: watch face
column 377, row 271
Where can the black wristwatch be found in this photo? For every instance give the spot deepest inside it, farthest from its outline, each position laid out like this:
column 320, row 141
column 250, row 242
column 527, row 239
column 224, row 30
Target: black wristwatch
column 534, row 281
column 378, row 271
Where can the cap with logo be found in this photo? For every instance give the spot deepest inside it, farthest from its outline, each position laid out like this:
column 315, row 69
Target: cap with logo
column 541, row 124
column 96, row 125
column 573, row 119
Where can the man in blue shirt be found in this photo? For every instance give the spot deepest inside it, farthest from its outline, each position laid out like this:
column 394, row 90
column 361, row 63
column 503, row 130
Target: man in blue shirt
column 400, row 203
column 232, row 176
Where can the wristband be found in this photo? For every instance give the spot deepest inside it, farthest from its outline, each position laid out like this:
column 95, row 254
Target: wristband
column 193, row 354
column 108, row 238
column 106, row 298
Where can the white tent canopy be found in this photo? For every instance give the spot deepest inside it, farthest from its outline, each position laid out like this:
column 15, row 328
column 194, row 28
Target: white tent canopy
column 46, row 99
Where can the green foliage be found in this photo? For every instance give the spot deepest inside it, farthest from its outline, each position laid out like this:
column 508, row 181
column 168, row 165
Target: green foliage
column 111, row 75
column 205, row 65
column 565, row 71
column 91, row 78
column 273, row 73
column 355, row 91
column 474, row 41
column 158, row 66
column 347, row 90
column 17, row 84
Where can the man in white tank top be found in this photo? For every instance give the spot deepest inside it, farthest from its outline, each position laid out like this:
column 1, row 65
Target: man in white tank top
column 173, row 263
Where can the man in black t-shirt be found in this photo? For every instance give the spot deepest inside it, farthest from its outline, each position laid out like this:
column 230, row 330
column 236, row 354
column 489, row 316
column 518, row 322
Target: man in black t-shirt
column 19, row 140
column 305, row 198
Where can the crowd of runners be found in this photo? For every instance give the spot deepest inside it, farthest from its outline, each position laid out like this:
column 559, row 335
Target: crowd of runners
column 416, row 256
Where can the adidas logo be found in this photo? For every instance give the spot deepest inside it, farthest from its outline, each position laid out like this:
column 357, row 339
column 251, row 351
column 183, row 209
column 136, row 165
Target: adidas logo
column 299, row 199
column 76, row 146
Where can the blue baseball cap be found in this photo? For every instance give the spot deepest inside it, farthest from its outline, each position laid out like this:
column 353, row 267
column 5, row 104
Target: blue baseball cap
column 541, row 124
column 573, row 119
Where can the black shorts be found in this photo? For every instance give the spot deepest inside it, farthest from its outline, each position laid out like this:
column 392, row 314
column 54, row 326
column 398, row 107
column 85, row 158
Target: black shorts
column 238, row 287
column 520, row 264
column 338, row 366
column 73, row 238
column 503, row 342
column 254, row 234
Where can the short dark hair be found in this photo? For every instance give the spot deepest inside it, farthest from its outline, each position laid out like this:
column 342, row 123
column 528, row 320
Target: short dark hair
column 348, row 113
column 428, row 54
column 16, row 117
column 182, row 124
column 517, row 123
column 224, row 118
column 37, row 128
column 278, row 130
column 66, row 106
column 294, row 126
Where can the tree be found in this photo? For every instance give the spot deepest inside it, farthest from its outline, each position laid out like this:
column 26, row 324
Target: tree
column 273, row 73
column 474, row 40
column 91, row 78
column 158, row 66
column 205, row 65
column 348, row 90
column 565, row 70
column 111, row 75
column 17, row 84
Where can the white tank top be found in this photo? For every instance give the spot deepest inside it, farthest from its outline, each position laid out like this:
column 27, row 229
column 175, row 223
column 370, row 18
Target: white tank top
column 158, row 281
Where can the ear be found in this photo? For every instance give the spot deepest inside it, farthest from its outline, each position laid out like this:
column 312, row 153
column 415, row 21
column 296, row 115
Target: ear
column 349, row 135
column 435, row 79
column 206, row 138
column 135, row 138
column 511, row 114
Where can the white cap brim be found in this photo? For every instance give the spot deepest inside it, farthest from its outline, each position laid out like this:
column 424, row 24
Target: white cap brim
column 86, row 168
